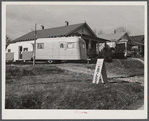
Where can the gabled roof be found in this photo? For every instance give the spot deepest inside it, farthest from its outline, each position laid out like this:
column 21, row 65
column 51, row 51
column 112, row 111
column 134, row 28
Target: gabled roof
column 137, row 38
column 53, row 32
column 112, row 37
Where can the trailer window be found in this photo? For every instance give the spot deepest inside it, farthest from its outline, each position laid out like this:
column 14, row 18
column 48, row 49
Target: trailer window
column 9, row 50
column 61, row 45
column 83, row 45
column 70, row 45
column 40, row 46
column 25, row 49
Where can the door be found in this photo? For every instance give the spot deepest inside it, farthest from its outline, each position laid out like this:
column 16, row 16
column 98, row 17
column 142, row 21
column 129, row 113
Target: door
column 83, row 51
column 20, row 52
column 62, row 48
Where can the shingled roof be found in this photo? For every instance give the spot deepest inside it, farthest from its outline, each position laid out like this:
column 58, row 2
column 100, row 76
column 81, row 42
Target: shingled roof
column 53, row 32
column 112, row 37
column 137, row 38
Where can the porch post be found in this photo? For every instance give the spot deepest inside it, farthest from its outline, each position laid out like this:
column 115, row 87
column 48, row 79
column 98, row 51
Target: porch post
column 90, row 44
column 125, row 49
column 97, row 47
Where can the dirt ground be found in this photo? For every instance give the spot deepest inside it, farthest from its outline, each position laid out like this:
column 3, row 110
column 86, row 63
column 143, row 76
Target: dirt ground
column 43, row 78
column 80, row 69
column 137, row 79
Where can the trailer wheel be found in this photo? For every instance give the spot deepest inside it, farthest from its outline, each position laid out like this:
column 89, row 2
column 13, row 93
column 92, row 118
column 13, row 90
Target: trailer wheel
column 50, row 61
column 58, row 61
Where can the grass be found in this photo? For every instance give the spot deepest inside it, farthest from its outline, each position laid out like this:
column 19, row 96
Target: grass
column 121, row 67
column 48, row 87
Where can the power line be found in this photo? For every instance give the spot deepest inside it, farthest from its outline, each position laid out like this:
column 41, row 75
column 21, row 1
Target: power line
column 26, row 14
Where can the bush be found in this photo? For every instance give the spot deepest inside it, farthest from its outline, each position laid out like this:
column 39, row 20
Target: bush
column 99, row 55
column 91, row 53
column 107, row 53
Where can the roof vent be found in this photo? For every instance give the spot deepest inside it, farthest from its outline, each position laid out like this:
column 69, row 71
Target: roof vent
column 67, row 23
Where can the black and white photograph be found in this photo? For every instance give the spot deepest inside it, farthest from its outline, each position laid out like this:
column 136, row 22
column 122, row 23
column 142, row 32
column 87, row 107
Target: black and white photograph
column 74, row 60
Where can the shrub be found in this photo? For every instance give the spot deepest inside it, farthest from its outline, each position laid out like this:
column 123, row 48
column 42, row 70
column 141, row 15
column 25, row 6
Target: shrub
column 107, row 53
column 91, row 53
column 99, row 55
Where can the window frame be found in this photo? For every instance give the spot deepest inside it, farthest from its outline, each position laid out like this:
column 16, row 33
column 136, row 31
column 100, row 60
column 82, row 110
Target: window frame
column 40, row 45
column 83, row 45
column 71, row 43
column 62, row 46
column 9, row 50
column 25, row 49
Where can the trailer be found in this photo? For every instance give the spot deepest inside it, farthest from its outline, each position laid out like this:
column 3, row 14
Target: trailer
column 49, row 49
column 19, row 51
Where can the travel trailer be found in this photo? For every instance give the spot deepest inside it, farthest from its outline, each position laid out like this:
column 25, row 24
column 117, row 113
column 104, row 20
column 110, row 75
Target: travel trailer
column 19, row 51
column 50, row 49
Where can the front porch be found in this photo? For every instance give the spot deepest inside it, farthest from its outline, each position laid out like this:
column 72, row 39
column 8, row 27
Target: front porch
column 91, row 42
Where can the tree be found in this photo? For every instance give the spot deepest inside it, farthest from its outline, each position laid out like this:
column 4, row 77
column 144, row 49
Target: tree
column 95, row 31
column 91, row 53
column 107, row 53
column 8, row 40
column 100, row 32
column 122, row 29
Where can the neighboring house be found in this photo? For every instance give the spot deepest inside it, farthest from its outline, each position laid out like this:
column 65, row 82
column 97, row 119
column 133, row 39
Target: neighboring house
column 81, row 29
column 118, row 39
column 138, row 43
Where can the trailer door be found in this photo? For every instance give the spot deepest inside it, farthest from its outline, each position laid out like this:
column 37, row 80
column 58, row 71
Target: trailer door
column 20, row 52
column 83, row 51
column 62, row 50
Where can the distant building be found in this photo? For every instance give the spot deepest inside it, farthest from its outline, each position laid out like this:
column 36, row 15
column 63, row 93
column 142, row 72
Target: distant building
column 117, row 38
column 81, row 29
column 138, row 43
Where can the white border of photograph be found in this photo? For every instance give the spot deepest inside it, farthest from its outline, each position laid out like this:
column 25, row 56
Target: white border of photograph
column 71, row 114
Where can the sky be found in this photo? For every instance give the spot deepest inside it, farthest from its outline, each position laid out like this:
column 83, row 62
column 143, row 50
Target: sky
column 21, row 19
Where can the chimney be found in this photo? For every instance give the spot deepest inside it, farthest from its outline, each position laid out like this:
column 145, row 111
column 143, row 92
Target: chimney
column 42, row 27
column 67, row 23
column 114, row 31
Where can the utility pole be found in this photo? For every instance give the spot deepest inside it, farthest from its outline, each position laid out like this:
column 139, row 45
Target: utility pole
column 34, row 49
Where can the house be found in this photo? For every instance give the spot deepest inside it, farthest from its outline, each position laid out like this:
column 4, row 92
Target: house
column 138, row 43
column 121, row 39
column 81, row 29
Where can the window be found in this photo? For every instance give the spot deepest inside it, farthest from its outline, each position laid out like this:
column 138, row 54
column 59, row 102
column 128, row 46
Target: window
column 9, row 50
column 61, row 45
column 83, row 45
column 40, row 46
column 70, row 45
column 25, row 49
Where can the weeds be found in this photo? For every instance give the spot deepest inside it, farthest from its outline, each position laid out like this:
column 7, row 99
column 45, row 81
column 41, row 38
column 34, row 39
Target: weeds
column 86, row 96
column 54, row 88
column 16, row 72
